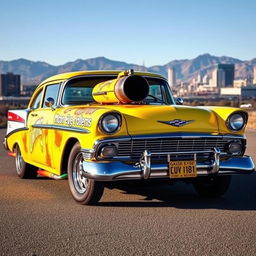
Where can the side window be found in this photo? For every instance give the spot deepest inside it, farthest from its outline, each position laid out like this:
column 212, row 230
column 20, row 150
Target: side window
column 36, row 103
column 155, row 95
column 155, row 90
column 51, row 91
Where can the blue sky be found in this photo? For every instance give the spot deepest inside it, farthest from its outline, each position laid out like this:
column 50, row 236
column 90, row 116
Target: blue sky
column 153, row 32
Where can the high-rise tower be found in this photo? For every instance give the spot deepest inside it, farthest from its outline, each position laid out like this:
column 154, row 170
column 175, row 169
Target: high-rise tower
column 218, row 78
column 9, row 84
column 254, row 75
column 171, row 77
column 229, row 70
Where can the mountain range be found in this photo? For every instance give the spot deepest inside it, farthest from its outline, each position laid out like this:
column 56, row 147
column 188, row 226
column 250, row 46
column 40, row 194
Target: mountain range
column 33, row 72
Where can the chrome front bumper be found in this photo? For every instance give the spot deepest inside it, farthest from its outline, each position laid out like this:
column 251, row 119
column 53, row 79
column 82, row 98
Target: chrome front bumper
column 144, row 169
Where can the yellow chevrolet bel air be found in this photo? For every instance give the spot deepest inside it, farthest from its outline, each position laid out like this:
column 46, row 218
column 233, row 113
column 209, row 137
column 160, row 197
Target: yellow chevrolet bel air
column 99, row 126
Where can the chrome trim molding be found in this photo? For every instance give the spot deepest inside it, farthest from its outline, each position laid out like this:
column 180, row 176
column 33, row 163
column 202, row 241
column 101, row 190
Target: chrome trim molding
column 176, row 135
column 60, row 127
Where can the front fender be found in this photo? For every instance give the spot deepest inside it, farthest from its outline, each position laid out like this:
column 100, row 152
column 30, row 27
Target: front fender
column 222, row 114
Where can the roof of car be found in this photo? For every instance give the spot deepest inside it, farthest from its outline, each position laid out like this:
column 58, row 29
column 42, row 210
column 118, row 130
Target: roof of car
column 69, row 75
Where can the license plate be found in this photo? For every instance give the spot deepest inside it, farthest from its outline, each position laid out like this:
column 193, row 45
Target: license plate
column 182, row 169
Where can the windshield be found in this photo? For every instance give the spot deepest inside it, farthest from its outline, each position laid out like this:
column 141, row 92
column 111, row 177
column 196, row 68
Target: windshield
column 78, row 91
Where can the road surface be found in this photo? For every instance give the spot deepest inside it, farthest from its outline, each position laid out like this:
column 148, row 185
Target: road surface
column 40, row 217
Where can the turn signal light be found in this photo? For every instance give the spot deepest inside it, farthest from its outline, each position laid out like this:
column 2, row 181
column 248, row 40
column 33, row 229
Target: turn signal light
column 235, row 147
column 108, row 151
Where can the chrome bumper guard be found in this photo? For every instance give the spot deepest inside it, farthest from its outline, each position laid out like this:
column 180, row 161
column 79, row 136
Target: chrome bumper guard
column 144, row 169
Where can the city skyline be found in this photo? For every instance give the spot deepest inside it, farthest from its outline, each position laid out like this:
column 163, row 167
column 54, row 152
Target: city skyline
column 136, row 32
column 186, row 69
column 222, row 77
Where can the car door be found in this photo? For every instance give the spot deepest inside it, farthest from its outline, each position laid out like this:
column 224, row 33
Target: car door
column 40, row 120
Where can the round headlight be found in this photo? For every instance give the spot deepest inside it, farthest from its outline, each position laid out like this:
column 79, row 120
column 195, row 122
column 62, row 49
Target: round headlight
column 236, row 121
column 110, row 123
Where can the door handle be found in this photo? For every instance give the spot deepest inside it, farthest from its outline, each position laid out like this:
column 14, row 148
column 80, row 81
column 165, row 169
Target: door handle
column 33, row 114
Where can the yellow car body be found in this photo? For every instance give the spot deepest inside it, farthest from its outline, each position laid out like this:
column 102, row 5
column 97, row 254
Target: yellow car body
column 152, row 132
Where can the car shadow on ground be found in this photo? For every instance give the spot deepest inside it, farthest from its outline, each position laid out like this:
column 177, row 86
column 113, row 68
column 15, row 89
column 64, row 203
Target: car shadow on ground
column 240, row 196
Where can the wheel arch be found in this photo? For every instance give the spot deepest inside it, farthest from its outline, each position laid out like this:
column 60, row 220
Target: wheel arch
column 12, row 142
column 65, row 155
column 14, row 146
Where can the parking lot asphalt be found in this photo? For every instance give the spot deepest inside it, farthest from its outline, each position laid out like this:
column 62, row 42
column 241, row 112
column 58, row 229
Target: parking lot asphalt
column 40, row 217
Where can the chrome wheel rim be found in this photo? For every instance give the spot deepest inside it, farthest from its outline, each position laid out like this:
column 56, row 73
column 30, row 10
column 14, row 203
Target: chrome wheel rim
column 19, row 161
column 79, row 181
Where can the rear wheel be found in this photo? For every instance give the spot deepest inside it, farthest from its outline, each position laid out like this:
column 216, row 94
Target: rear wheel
column 24, row 170
column 84, row 191
column 214, row 186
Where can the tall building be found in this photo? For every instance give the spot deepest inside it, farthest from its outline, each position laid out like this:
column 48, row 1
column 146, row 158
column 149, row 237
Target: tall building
column 254, row 75
column 171, row 77
column 199, row 79
column 27, row 90
column 218, row 78
column 241, row 83
column 229, row 70
column 9, row 84
column 206, row 79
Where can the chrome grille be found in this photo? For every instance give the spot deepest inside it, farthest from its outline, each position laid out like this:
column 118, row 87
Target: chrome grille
column 136, row 147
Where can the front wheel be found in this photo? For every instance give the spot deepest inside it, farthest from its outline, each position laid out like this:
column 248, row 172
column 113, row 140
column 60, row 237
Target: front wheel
column 214, row 186
column 84, row 191
column 24, row 170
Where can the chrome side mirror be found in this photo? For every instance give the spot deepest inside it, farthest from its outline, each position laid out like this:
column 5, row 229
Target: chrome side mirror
column 179, row 101
column 49, row 102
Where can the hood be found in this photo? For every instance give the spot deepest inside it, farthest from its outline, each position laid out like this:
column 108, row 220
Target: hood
column 152, row 119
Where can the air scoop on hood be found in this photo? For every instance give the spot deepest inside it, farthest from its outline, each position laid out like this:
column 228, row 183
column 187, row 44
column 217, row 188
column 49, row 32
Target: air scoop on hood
column 126, row 88
column 168, row 119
